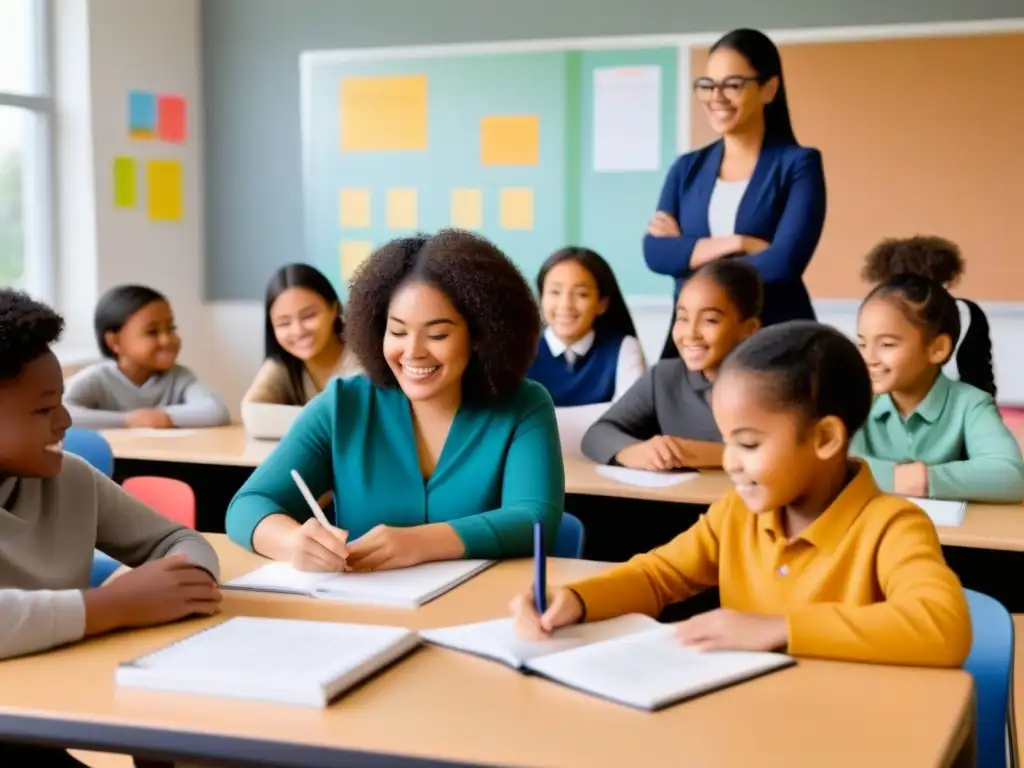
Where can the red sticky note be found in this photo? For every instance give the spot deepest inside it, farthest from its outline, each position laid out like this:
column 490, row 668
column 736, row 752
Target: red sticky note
column 171, row 118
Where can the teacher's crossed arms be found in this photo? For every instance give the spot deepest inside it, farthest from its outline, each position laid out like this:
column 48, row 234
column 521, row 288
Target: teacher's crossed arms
column 754, row 194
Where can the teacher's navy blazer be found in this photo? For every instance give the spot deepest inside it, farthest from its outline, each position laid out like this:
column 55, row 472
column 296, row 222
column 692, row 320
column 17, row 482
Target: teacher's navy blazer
column 784, row 204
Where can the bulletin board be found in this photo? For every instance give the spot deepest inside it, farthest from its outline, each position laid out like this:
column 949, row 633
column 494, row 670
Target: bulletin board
column 918, row 136
column 534, row 149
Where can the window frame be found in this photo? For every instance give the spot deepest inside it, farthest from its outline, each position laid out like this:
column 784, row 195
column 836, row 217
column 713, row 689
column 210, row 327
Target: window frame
column 39, row 203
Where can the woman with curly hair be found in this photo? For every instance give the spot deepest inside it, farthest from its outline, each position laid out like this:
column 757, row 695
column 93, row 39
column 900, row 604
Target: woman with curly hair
column 443, row 449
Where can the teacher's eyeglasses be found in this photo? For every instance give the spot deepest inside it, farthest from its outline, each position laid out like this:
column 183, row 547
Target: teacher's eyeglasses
column 730, row 87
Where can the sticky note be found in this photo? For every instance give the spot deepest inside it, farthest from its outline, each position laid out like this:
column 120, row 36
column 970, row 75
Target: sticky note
column 516, row 208
column 510, row 140
column 384, row 113
column 124, row 182
column 353, row 253
column 467, row 208
column 141, row 115
column 164, row 180
column 402, row 209
column 354, row 208
column 171, row 118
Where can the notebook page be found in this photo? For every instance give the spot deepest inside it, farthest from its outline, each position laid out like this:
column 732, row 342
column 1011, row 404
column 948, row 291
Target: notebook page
column 498, row 639
column 279, row 577
column 652, row 669
column 408, row 587
column 644, row 478
column 942, row 513
column 273, row 652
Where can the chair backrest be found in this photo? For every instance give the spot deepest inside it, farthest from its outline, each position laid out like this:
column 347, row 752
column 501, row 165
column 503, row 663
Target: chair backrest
column 103, row 567
column 92, row 447
column 569, row 542
column 990, row 662
column 172, row 498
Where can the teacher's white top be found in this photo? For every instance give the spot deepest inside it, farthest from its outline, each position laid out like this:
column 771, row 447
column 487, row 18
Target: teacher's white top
column 724, row 204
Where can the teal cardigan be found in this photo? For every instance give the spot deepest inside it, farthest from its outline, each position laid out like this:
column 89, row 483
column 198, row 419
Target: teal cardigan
column 499, row 472
column 957, row 432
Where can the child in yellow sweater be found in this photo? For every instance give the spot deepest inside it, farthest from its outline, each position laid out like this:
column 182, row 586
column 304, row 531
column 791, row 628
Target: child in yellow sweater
column 808, row 554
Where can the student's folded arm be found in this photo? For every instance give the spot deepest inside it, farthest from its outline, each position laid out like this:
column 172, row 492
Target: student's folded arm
column 993, row 470
column 270, row 490
column 670, row 255
column 924, row 619
column 533, row 489
column 269, row 385
column 630, row 420
column 133, row 534
column 799, row 228
column 37, row 620
column 199, row 407
column 883, row 470
column 631, row 366
column 650, row 582
column 82, row 397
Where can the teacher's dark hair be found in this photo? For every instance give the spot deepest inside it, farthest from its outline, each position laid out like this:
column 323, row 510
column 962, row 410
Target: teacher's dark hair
column 763, row 56
column 481, row 282
column 616, row 320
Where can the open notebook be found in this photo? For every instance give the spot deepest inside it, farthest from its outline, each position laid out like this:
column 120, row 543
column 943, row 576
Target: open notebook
column 942, row 513
column 280, row 660
column 403, row 587
column 631, row 660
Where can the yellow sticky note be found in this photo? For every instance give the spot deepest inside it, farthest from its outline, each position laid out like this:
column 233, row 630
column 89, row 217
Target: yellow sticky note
column 354, row 253
column 354, row 208
column 516, row 208
column 402, row 213
column 124, row 182
column 164, row 179
column 384, row 113
column 510, row 140
column 467, row 208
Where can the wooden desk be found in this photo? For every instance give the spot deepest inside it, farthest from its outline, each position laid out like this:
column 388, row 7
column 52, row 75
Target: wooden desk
column 440, row 707
column 225, row 446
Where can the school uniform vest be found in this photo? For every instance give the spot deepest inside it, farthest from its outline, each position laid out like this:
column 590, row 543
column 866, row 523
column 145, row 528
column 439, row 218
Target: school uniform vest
column 589, row 379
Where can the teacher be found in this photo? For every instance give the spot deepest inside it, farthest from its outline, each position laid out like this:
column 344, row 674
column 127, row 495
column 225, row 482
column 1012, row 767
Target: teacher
column 754, row 194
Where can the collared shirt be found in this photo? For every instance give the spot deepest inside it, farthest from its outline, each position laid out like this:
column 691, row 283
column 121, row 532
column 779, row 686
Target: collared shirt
column 630, row 366
column 667, row 400
column 866, row 581
column 957, row 432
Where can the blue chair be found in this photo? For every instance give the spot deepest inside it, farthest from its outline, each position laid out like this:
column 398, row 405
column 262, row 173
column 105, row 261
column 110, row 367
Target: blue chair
column 93, row 448
column 569, row 542
column 990, row 662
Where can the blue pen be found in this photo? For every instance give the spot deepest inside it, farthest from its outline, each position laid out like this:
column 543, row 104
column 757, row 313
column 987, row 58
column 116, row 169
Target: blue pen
column 540, row 567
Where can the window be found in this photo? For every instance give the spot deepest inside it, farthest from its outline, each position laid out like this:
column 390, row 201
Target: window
column 26, row 107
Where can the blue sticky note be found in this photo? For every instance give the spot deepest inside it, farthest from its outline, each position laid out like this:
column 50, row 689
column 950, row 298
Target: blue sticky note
column 141, row 114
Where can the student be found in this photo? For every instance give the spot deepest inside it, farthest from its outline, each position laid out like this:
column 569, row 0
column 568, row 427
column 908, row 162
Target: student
column 442, row 450
column 665, row 422
column 589, row 352
column 305, row 347
column 929, row 436
column 940, row 260
column 140, row 383
column 809, row 556
column 55, row 509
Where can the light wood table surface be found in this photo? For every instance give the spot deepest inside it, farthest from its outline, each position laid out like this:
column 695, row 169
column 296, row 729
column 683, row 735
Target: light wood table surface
column 441, row 706
column 224, row 446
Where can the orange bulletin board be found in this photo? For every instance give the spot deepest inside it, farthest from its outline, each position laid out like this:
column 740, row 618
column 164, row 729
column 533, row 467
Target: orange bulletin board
column 918, row 136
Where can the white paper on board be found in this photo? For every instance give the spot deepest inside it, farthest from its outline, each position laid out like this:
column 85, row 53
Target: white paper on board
column 627, row 119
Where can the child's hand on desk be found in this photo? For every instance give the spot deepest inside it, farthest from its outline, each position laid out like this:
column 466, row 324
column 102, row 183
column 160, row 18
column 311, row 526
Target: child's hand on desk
column 156, row 592
column 911, row 479
column 315, row 548
column 150, row 418
column 726, row 630
column 564, row 608
column 660, row 453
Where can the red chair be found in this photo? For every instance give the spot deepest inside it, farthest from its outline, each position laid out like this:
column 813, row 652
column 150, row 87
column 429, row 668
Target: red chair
column 172, row 498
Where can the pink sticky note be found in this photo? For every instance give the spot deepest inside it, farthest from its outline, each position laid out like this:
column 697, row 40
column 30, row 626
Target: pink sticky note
column 171, row 118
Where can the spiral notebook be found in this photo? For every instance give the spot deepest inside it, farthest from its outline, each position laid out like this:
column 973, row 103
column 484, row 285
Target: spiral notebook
column 279, row 660
column 632, row 660
column 402, row 587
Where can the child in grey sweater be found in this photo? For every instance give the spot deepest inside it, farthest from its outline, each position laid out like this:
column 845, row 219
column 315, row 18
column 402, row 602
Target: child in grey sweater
column 56, row 509
column 140, row 383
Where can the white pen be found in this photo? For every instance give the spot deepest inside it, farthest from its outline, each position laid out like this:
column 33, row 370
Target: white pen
column 308, row 496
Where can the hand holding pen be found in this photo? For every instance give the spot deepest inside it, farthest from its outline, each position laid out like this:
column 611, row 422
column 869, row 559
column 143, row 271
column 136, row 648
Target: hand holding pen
column 318, row 545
